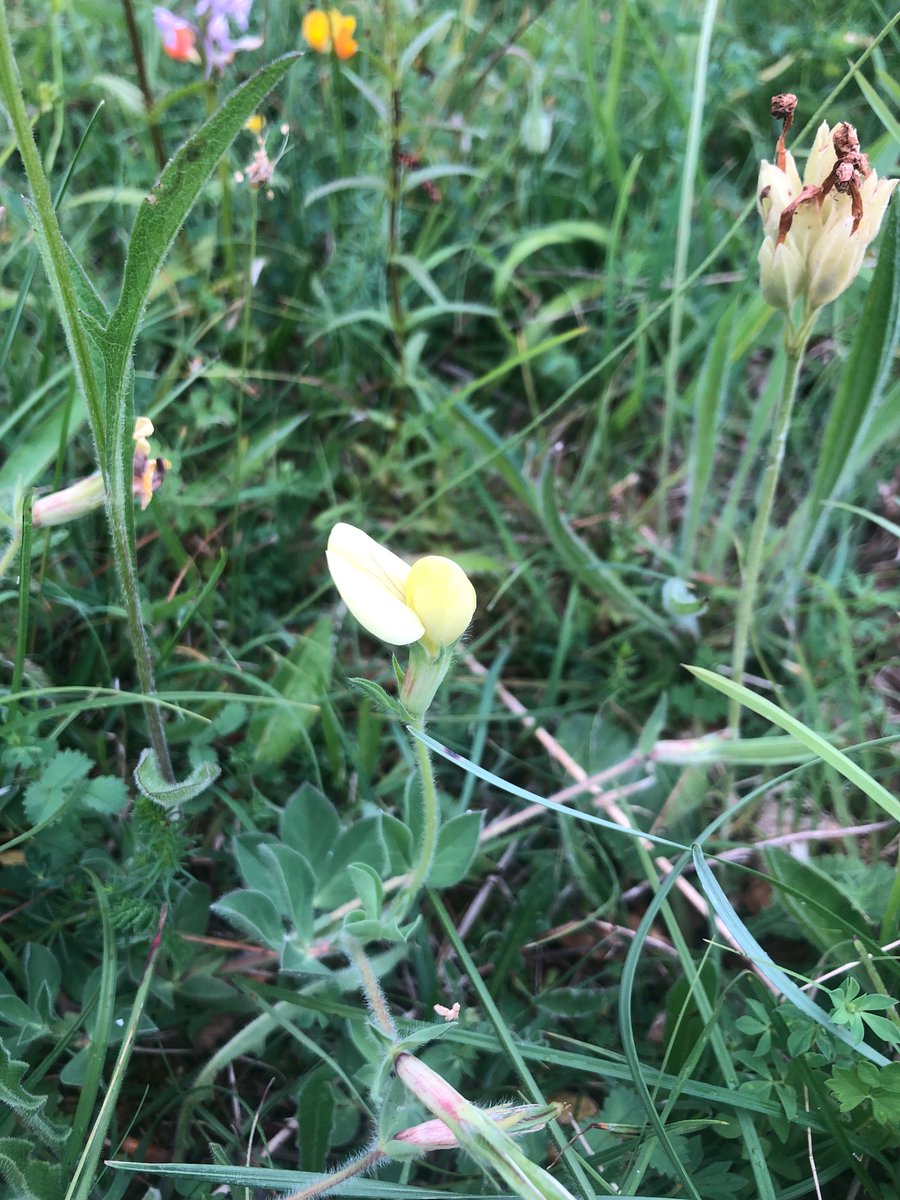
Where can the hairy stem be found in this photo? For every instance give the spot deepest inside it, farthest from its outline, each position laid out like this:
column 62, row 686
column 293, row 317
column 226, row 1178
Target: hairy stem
column 431, row 824
column 327, row 1182
column 370, row 986
column 109, row 442
column 795, row 345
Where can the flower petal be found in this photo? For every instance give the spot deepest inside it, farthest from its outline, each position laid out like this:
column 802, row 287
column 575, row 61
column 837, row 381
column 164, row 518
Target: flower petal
column 821, row 158
column 316, row 30
column 374, row 605
column 372, row 582
column 368, row 555
column 439, row 592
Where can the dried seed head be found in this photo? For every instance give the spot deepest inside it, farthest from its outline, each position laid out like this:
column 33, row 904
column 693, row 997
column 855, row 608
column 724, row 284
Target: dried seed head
column 783, row 105
column 846, row 143
column 782, row 108
column 843, row 177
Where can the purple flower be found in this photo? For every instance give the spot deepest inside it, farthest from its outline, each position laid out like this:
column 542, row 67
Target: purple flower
column 219, row 48
column 235, row 10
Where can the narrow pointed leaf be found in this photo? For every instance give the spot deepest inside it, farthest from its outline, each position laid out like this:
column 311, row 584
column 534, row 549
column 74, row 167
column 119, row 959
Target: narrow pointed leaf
column 757, row 955
column 172, row 197
column 806, row 736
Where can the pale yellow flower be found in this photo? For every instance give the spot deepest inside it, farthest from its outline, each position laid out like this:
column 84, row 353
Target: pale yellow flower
column 431, row 602
column 817, row 229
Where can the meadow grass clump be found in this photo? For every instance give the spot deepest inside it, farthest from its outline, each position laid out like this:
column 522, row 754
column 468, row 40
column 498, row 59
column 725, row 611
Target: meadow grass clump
column 447, row 576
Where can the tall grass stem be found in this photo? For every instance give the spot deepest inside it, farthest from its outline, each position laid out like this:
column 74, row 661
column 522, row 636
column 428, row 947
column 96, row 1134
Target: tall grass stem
column 140, row 66
column 682, row 246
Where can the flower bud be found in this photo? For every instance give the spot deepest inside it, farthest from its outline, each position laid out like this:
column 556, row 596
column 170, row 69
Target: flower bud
column 781, row 275
column 432, row 1089
column 516, row 1119
column 68, row 504
column 536, row 129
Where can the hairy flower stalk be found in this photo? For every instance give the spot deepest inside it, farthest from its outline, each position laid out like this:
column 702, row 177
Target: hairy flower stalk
column 816, row 233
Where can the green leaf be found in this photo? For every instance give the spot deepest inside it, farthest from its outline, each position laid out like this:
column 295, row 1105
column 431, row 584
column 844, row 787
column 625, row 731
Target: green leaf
column 310, row 825
column 361, row 843
column 369, row 888
column 806, row 736
column 559, row 233
column 171, row 199
column 364, row 929
column 853, row 1086
column 28, row 1108
column 48, row 794
column 29, row 1177
column 315, row 1117
column 887, row 1030
column 253, row 913
column 398, row 839
column 380, row 697
column 815, row 885
column 44, row 979
column 457, row 845
column 152, row 784
column 296, row 882
column 105, row 794
column 256, row 874
column 303, row 679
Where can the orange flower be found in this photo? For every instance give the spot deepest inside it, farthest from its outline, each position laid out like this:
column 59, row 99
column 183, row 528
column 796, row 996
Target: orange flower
column 179, row 36
column 324, row 32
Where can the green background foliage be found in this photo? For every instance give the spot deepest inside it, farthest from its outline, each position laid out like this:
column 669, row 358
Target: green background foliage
column 454, row 317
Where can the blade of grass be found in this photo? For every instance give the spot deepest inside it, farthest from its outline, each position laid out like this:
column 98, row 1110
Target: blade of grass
column 83, row 1177
column 532, row 797
column 709, row 395
column 806, row 736
column 99, row 1042
column 682, row 247
column 754, row 951
column 506, row 1039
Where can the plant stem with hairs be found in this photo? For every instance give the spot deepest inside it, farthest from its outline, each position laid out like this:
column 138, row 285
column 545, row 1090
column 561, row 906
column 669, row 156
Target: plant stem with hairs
column 795, row 340
column 109, row 442
column 431, row 826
